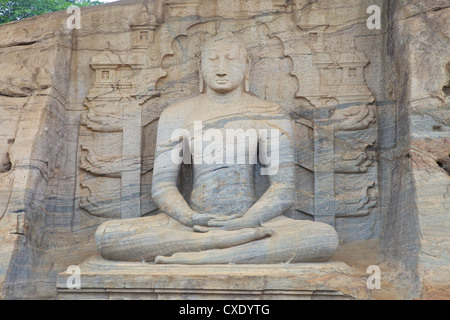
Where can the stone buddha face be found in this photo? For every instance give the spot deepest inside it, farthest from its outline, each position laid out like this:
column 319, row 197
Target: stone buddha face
column 224, row 64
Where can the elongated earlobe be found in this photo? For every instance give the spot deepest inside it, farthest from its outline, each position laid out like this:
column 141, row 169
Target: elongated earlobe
column 201, row 80
column 202, row 84
column 247, row 77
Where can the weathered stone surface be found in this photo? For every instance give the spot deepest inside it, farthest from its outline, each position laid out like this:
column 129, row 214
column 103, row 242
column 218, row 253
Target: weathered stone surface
column 102, row 279
column 423, row 110
column 79, row 111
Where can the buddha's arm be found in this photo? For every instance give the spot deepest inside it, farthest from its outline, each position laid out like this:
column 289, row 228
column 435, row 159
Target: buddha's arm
column 280, row 196
column 165, row 173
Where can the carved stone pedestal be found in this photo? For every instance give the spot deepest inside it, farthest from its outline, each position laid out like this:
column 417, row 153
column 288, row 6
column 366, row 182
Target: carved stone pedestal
column 102, row 279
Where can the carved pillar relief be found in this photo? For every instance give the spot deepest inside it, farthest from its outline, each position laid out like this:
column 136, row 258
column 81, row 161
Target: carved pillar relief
column 101, row 138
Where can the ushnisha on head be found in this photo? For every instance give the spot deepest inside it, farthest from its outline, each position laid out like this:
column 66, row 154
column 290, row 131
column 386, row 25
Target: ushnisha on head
column 224, row 64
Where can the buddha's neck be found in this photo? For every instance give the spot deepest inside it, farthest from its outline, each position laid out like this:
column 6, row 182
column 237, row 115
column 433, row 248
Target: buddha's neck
column 225, row 98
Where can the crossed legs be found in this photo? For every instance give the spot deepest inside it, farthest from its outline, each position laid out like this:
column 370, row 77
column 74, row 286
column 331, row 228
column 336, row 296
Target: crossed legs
column 143, row 239
column 292, row 241
column 163, row 240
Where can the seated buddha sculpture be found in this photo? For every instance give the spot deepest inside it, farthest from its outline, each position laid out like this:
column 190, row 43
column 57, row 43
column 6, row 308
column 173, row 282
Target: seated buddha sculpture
column 221, row 220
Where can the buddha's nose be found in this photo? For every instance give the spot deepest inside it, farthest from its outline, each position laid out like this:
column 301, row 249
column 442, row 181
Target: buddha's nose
column 221, row 72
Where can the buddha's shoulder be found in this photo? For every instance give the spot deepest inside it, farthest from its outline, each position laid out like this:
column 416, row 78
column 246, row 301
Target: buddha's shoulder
column 181, row 108
column 260, row 105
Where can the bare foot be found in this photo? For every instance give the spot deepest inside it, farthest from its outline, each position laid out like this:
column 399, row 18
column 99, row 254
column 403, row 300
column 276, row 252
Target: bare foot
column 162, row 260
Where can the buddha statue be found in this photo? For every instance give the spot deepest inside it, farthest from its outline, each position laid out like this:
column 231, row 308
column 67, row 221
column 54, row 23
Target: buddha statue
column 222, row 220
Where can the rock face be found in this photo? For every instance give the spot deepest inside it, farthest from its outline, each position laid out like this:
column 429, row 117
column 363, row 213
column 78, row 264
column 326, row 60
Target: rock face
column 80, row 109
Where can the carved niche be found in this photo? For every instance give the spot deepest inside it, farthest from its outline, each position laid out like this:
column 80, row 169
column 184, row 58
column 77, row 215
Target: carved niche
column 335, row 122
